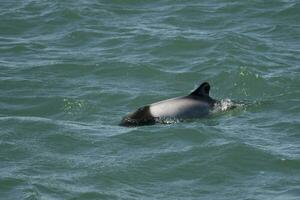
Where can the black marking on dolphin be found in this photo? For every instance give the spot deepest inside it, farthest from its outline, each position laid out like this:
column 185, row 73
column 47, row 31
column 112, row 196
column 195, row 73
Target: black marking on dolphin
column 196, row 104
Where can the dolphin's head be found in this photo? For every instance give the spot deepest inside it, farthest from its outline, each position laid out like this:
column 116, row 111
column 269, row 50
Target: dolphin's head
column 140, row 117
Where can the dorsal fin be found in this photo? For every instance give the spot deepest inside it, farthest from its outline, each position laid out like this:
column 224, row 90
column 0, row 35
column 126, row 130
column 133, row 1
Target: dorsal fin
column 202, row 90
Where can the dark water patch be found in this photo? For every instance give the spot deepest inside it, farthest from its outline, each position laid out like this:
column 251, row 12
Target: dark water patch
column 11, row 187
column 178, row 47
column 288, row 12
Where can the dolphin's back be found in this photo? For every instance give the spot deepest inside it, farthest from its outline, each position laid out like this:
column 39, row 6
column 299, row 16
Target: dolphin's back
column 180, row 107
column 196, row 104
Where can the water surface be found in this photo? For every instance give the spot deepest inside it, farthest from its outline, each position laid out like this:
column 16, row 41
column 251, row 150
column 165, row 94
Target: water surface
column 70, row 70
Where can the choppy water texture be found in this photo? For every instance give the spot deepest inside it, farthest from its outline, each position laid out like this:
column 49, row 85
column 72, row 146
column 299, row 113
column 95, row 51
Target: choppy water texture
column 70, row 70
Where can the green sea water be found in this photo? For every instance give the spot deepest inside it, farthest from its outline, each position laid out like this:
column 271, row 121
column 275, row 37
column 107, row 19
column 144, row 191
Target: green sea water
column 70, row 70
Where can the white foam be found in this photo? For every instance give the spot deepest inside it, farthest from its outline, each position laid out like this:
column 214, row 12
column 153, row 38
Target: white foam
column 224, row 105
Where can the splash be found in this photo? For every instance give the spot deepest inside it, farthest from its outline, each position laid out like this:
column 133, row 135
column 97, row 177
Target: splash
column 168, row 120
column 226, row 104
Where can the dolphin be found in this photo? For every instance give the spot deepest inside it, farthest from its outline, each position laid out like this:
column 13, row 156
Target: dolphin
column 196, row 104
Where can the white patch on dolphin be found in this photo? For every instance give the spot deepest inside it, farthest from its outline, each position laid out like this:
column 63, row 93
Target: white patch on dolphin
column 180, row 107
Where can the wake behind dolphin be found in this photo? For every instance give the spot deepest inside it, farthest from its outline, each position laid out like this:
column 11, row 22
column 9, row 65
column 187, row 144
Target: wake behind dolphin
column 195, row 105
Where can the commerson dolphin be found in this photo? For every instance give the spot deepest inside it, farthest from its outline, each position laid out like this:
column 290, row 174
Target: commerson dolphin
column 196, row 104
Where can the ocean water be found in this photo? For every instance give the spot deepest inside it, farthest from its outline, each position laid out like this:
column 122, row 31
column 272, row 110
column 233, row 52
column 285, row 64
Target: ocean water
column 70, row 70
